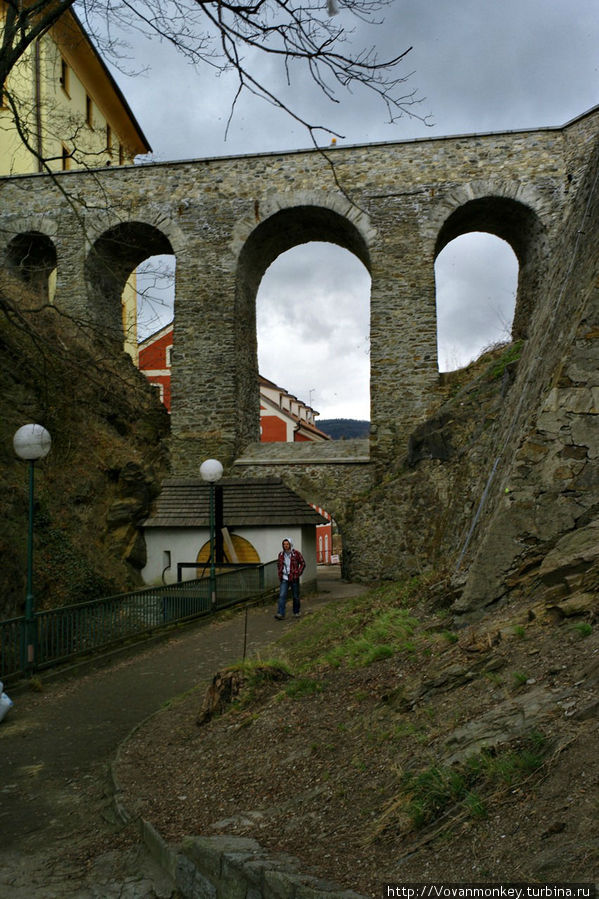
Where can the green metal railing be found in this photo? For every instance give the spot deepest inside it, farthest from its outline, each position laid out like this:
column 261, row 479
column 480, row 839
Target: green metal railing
column 101, row 623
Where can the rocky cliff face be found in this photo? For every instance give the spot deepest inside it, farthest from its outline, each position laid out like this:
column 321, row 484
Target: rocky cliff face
column 418, row 517
column 107, row 459
column 500, row 487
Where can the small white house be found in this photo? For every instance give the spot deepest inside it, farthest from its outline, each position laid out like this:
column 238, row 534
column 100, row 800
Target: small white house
column 251, row 519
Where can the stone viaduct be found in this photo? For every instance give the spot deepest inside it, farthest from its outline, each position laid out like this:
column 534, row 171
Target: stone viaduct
column 394, row 205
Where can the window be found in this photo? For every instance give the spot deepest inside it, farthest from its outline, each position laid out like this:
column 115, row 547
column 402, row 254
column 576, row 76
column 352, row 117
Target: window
column 66, row 158
column 108, row 139
column 121, row 155
column 64, row 77
column 89, row 111
column 169, row 355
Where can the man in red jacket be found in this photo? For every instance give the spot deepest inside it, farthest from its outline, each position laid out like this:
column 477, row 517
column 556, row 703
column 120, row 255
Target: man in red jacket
column 290, row 566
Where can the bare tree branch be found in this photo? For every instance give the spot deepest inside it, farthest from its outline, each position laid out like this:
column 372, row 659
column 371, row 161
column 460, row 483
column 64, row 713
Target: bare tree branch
column 303, row 35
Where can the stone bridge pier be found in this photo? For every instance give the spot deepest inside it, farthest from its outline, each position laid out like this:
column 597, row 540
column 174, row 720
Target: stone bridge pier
column 394, row 205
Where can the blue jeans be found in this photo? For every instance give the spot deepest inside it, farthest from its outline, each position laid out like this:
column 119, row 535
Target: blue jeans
column 295, row 591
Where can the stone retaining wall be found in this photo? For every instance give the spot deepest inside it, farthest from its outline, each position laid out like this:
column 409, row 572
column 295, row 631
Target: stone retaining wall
column 226, row 867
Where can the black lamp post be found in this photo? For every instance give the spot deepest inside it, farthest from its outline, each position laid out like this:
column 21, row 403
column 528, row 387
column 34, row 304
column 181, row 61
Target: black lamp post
column 211, row 471
column 31, row 442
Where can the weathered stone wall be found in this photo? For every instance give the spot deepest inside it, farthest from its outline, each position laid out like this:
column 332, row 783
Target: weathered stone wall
column 501, row 485
column 522, row 486
column 545, row 489
column 227, row 219
column 331, row 474
column 417, row 516
column 228, row 867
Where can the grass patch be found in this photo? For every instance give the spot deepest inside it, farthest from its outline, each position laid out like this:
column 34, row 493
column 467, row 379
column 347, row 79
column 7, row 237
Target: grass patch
column 303, row 686
column 390, row 631
column 258, row 671
column 512, row 354
column 359, row 631
column 519, row 679
column 450, row 636
column 243, row 683
column 441, row 791
column 583, row 628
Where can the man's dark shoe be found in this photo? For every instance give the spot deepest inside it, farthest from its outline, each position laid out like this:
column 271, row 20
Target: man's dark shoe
column 279, row 617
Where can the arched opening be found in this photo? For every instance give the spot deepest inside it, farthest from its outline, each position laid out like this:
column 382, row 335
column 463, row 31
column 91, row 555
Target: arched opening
column 31, row 257
column 112, row 260
column 155, row 294
column 236, row 550
column 313, row 325
column 476, row 283
column 486, row 258
column 300, row 227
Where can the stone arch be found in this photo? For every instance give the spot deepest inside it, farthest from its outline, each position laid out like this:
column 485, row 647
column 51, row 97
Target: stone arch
column 281, row 231
column 112, row 258
column 516, row 223
column 31, row 258
column 273, row 204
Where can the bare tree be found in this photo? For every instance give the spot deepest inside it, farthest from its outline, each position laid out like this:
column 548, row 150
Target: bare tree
column 307, row 34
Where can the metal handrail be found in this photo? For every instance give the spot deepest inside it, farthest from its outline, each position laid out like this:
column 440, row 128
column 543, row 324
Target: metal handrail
column 101, row 623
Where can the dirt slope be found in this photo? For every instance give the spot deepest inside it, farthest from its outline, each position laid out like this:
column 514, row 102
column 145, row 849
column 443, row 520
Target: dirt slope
column 467, row 756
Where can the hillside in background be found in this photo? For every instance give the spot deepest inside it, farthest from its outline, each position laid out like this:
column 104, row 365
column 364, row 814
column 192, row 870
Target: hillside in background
column 344, row 428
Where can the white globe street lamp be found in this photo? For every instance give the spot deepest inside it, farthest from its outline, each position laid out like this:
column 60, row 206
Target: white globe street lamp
column 211, row 471
column 31, row 442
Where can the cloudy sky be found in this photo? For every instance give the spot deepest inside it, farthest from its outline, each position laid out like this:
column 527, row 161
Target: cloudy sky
column 477, row 65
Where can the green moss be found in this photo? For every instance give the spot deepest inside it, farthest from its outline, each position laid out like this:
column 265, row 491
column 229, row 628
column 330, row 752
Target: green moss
column 511, row 355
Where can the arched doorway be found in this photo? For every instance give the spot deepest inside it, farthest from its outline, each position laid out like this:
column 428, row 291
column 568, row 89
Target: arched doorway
column 236, row 550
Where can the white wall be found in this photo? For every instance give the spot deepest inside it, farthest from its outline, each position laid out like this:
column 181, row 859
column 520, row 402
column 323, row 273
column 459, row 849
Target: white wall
column 184, row 544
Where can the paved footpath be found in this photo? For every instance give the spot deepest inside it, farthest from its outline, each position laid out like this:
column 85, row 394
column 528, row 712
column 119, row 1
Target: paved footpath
column 59, row 838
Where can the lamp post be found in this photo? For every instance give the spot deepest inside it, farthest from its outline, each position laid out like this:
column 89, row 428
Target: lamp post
column 31, row 442
column 211, row 471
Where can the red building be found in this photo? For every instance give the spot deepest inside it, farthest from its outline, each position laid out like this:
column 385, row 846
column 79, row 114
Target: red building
column 154, row 360
column 283, row 418
column 324, row 538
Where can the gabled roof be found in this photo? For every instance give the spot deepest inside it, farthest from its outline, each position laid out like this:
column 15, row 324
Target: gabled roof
column 156, row 336
column 185, row 502
column 298, row 423
column 310, row 429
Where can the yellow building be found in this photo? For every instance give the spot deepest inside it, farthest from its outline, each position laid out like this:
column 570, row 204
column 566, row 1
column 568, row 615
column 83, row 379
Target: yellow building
column 71, row 114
